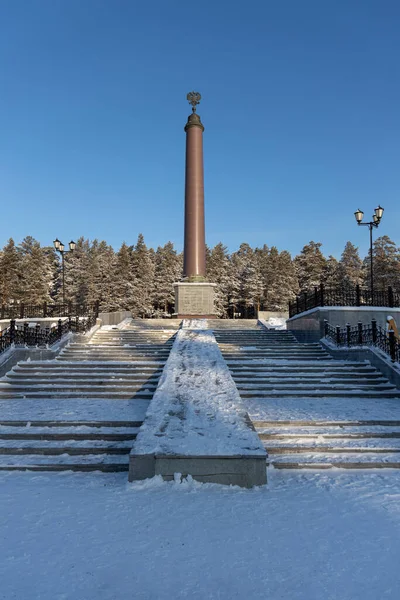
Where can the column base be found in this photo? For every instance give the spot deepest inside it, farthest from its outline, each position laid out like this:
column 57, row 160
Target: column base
column 195, row 300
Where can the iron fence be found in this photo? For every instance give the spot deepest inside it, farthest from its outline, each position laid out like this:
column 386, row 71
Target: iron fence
column 356, row 296
column 364, row 335
column 32, row 334
column 22, row 310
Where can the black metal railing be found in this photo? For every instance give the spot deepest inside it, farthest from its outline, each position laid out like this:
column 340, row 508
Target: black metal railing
column 32, row 334
column 364, row 335
column 357, row 296
column 35, row 311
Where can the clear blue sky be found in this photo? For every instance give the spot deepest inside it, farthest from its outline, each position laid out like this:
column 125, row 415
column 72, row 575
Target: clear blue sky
column 301, row 107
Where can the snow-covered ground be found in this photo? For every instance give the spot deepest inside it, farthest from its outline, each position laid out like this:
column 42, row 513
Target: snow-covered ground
column 305, row 536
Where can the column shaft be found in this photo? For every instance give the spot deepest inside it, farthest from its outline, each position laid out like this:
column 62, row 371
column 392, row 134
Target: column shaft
column 195, row 247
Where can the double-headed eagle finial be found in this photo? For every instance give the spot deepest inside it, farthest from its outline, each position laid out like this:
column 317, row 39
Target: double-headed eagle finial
column 193, row 99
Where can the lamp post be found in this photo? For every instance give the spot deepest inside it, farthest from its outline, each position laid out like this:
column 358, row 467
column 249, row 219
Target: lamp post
column 59, row 246
column 376, row 219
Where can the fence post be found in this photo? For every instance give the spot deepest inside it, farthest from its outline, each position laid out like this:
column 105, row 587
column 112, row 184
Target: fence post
column 76, row 324
column 37, row 334
column 392, row 345
column 360, row 333
column 305, row 300
column 97, row 308
column 348, row 337
column 337, row 335
column 315, row 296
column 69, row 323
column 12, row 331
column 321, row 290
column 21, row 310
column 358, row 295
column 26, row 333
column 390, row 296
column 59, row 329
column 325, row 327
column 297, row 305
column 374, row 331
column 44, row 310
column 69, row 308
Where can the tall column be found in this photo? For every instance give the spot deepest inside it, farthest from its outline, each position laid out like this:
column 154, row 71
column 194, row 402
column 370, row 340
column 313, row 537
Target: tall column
column 194, row 297
column 194, row 263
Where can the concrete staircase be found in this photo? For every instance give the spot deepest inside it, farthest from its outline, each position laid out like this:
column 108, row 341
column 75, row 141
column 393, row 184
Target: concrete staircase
column 310, row 410
column 82, row 411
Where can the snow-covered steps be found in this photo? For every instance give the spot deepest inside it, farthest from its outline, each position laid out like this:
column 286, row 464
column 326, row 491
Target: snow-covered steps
column 64, row 445
column 82, row 410
column 311, row 444
column 310, row 410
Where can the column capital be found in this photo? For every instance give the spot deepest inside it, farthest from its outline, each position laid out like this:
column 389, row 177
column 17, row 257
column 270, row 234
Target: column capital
column 194, row 121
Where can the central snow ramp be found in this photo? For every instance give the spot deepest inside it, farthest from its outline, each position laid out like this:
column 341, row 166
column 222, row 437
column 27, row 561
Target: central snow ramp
column 196, row 423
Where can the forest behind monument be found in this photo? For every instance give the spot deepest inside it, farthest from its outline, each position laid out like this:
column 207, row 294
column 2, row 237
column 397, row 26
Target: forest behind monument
column 140, row 279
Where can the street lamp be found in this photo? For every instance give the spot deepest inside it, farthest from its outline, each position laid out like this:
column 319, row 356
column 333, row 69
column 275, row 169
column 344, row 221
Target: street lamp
column 59, row 246
column 376, row 219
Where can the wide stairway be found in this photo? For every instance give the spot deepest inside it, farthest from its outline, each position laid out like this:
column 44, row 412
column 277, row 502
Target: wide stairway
column 82, row 411
column 310, row 410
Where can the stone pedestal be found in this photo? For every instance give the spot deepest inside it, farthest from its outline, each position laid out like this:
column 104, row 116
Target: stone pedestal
column 194, row 300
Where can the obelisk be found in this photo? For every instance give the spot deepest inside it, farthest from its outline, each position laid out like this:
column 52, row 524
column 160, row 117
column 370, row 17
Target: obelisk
column 194, row 266
column 194, row 296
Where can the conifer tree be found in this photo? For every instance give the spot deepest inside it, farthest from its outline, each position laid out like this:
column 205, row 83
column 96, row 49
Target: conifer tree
column 143, row 271
column 78, row 274
column 220, row 271
column 37, row 272
column 310, row 265
column 123, row 281
column 350, row 267
column 11, row 269
column 331, row 275
column 386, row 264
column 167, row 271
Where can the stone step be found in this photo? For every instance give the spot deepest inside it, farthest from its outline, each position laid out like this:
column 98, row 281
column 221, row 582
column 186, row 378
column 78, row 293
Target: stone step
column 97, row 368
column 44, row 425
column 313, row 378
column 330, row 450
column 320, row 386
column 77, row 380
column 311, row 393
column 342, row 460
column 107, row 394
column 91, row 462
column 95, row 364
column 330, row 366
column 103, row 358
column 258, row 424
column 329, row 436
column 70, row 435
column 52, row 387
column 72, row 451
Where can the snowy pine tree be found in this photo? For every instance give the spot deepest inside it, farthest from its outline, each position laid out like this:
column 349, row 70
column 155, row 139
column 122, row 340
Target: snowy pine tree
column 386, row 264
column 310, row 265
column 167, row 271
column 143, row 270
column 11, row 274
column 350, row 267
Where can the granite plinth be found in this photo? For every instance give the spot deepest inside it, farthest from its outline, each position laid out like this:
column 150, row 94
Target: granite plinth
column 194, row 299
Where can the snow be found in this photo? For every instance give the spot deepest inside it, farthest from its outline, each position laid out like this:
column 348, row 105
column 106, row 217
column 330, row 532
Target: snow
column 196, row 409
column 82, row 409
column 95, row 537
column 324, row 409
column 278, row 323
column 195, row 324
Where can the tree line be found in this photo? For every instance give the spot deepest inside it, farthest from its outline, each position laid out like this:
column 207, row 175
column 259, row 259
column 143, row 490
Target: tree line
column 140, row 279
